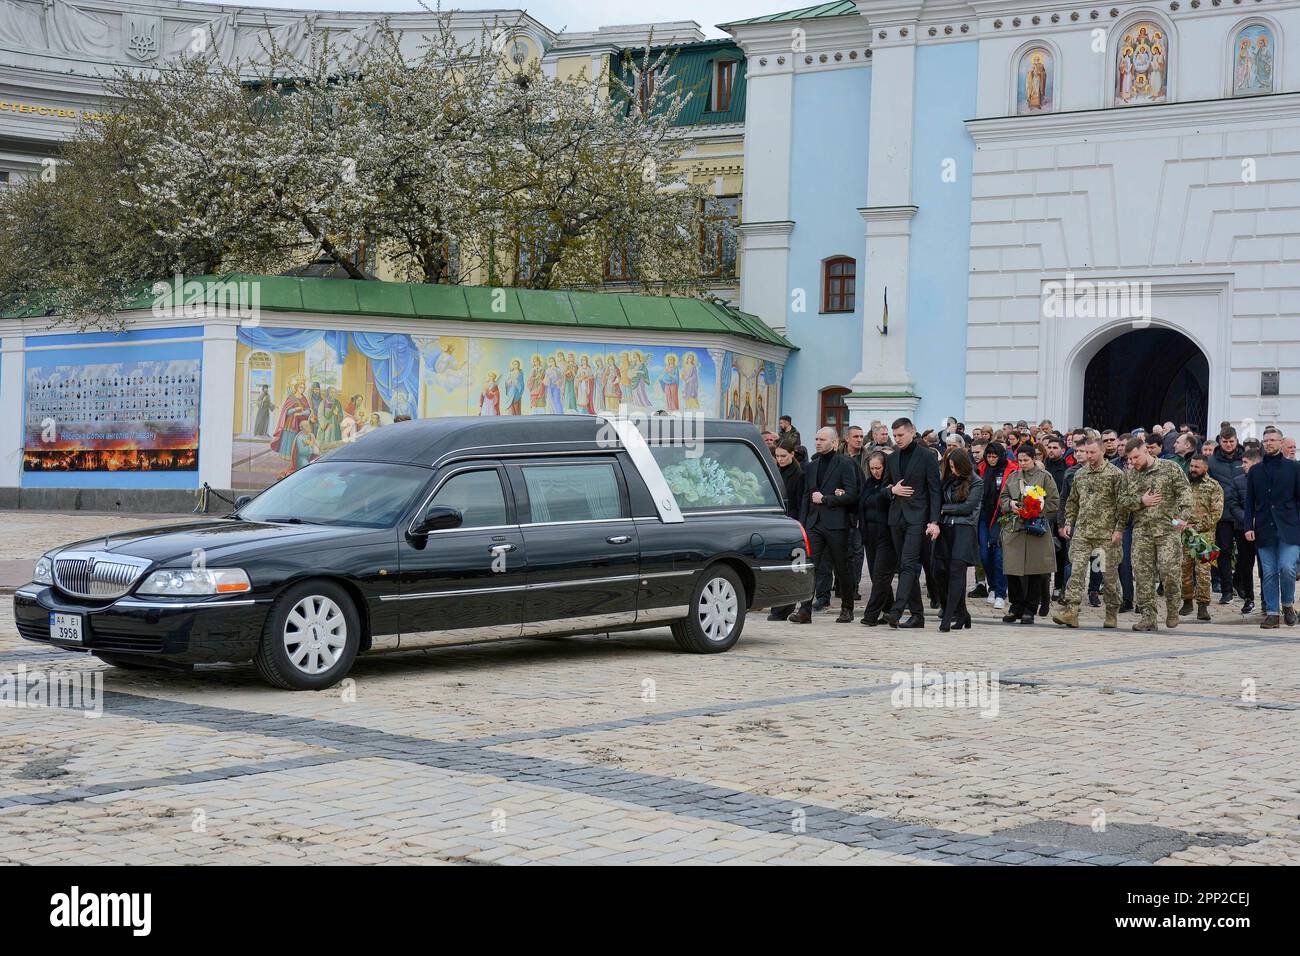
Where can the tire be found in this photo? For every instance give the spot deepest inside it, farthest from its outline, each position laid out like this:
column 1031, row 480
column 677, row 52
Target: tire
column 717, row 613
column 324, row 661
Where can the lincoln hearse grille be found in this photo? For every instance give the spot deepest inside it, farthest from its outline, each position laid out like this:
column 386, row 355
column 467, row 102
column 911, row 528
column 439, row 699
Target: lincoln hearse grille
column 95, row 577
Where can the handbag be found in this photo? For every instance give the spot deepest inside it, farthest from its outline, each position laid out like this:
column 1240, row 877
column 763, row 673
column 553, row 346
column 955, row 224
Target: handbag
column 1036, row 526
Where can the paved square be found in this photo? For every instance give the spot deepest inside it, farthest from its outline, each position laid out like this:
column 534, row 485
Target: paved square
column 1096, row 747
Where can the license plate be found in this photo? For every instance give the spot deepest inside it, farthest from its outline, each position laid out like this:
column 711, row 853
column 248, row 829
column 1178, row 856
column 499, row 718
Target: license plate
column 65, row 627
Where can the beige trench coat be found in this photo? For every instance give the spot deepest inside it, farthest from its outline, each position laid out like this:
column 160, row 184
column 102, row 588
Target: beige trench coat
column 1024, row 553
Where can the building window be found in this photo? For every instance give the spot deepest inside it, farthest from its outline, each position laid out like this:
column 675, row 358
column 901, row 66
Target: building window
column 724, row 76
column 718, row 237
column 530, row 250
column 4, row 178
column 365, row 255
column 618, row 267
column 839, row 279
column 834, row 413
column 646, row 88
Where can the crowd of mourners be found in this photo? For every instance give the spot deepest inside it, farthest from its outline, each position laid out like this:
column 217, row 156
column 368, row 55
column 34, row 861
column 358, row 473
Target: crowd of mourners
column 1044, row 517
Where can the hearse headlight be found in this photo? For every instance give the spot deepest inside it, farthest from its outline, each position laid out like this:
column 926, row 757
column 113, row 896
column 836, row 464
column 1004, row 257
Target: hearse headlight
column 44, row 573
column 188, row 583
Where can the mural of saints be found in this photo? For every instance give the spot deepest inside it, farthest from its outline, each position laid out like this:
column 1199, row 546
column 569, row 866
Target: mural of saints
column 1034, row 81
column 295, row 410
column 690, row 382
column 1142, row 67
column 513, row 393
column 1252, row 64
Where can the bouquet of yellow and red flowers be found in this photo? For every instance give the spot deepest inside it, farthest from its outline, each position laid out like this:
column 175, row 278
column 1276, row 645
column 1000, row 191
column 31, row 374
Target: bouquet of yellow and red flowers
column 1199, row 545
column 1030, row 511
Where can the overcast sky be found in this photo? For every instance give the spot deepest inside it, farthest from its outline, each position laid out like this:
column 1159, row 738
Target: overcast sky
column 569, row 14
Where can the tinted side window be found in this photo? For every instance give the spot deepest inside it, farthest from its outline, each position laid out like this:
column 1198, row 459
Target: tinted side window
column 475, row 494
column 718, row 475
column 585, row 492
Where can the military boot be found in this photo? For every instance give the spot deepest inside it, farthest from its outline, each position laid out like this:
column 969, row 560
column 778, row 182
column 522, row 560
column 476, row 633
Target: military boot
column 1112, row 618
column 1186, row 608
column 1146, row 625
column 1202, row 612
column 1171, row 618
column 1068, row 616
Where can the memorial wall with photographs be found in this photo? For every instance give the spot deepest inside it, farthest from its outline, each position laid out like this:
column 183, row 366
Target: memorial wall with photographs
column 110, row 410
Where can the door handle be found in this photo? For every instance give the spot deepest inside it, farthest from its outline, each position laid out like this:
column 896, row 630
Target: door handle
column 500, row 548
column 619, row 538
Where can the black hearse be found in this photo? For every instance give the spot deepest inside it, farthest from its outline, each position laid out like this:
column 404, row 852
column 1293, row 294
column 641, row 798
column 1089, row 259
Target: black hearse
column 445, row 531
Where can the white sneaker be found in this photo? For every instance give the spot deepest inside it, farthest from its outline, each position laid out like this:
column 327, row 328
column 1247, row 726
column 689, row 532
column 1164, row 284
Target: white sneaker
column 999, row 604
column 992, row 597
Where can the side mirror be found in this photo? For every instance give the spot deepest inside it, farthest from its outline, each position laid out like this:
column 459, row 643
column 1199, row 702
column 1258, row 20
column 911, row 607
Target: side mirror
column 242, row 500
column 438, row 519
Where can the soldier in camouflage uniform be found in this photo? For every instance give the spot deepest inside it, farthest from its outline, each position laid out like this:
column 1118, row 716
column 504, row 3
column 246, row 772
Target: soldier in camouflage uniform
column 1207, row 509
column 1094, row 524
column 1155, row 493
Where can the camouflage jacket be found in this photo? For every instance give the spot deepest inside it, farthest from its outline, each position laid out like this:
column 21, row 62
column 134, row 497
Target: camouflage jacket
column 1168, row 480
column 1207, row 504
column 1093, row 509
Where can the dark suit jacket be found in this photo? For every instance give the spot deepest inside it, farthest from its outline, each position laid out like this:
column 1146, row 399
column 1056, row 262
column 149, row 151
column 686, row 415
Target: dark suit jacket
column 1234, row 503
column 836, row 511
column 923, row 478
column 1272, row 507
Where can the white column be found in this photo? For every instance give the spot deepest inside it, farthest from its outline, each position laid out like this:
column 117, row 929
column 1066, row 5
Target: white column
column 13, row 422
column 765, row 203
column 217, row 404
column 764, row 269
column 884, row 387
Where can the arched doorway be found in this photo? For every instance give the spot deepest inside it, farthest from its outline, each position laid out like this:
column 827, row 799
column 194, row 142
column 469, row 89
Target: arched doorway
column 1147, row 376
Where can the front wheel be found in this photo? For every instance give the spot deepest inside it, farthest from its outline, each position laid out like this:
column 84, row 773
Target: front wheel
column 717, row 613
column 310, row 638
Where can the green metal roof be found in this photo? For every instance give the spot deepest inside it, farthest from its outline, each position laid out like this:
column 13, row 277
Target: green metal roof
column 836, row 8
column 464, row 303
column 692, row 68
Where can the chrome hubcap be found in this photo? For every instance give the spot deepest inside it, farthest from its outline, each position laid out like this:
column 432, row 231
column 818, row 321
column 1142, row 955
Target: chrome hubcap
column 315, row 634
column 718, row 609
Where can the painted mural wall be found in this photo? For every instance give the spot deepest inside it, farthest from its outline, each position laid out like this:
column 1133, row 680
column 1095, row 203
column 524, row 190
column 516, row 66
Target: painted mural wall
column 301, row 392
column 104, row 410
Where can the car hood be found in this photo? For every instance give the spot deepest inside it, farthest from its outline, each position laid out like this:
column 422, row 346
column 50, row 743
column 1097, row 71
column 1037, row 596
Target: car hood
column 218, row 539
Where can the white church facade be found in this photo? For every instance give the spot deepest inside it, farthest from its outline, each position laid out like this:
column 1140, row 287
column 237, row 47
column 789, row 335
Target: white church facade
column 1083, row 213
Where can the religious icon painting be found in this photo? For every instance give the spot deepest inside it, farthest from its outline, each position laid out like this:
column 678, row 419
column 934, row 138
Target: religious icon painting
column 1142, row 66
column 1252, row 60
column 1034, row 93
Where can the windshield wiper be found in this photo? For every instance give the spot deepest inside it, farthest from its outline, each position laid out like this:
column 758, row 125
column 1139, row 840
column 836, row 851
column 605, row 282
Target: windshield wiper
column 233, row 516
column 283, row 520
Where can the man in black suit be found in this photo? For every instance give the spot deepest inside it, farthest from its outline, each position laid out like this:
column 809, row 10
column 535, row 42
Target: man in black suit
column 912, row 477
column 830, row 500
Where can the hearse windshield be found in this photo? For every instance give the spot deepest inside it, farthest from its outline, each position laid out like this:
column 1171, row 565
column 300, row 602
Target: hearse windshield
column 364, row 494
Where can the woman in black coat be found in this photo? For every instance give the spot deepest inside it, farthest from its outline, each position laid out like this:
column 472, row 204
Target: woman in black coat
column 958, row 547
column 873, row 523
column 792, row 476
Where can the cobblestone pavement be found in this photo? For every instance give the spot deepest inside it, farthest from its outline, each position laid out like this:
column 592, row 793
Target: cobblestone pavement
column 1100, row 747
